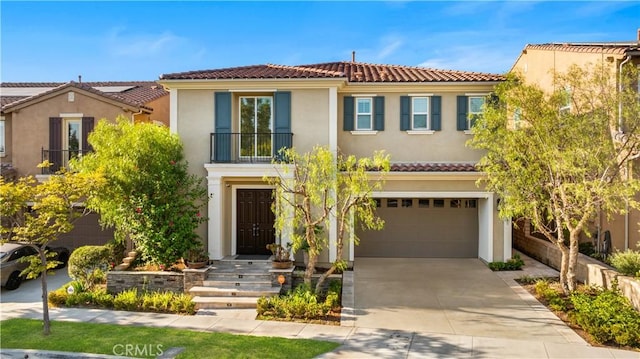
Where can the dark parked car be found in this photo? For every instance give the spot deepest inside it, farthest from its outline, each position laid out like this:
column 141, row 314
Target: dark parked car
column 10, row 267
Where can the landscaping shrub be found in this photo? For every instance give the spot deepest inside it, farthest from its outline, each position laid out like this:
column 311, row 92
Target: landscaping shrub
column 126, row 300
column 586, row 248
column 58, row 297
column 166, row 302
column 551, row 295
column 627, row 262
column 300, row 303
column 607, row 316
column 87, row 265
column 514, row 263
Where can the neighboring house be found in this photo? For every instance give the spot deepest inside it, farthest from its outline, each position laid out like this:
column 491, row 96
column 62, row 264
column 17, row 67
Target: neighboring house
column 51, row 121
column 233, row 121
column 539, row 62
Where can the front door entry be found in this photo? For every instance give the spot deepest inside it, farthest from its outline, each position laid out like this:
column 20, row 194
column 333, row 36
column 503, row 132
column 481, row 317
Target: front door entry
column 254, row 227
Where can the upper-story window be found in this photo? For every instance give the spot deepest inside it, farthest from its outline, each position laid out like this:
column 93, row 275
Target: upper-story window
column 420, row 113
column 2, row 140
column 476, row 104
column 566, row 92
column 364, row 113
column 470, row 108
column 255, row 126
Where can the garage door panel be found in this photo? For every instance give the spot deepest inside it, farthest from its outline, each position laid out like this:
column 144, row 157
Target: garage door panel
column 422, row 233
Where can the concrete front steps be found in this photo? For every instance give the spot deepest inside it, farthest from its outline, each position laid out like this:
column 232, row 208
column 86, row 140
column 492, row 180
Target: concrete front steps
column 233, row 284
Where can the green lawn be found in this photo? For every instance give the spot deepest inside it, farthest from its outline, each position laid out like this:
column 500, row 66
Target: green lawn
column 115, row 339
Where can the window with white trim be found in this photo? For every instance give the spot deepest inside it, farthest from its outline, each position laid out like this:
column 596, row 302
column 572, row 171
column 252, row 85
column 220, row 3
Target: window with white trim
column 420, row 114
column 567, row 99
column 2, row 137
column 476, row 107
column 364, row 114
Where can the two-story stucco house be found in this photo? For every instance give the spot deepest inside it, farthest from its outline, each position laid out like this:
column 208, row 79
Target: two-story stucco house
column 52, row 121
column 539, row 62
column 233, row 121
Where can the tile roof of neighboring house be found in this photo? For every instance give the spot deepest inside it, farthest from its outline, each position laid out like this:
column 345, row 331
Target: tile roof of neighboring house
column 605, row 47
column 352, row 71
column 433, row 167
column 133, row 93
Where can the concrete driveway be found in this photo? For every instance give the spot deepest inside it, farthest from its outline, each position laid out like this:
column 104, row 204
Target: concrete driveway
column 450, row 296
column 28, row 297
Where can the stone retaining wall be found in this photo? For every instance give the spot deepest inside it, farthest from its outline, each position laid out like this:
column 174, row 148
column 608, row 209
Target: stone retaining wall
column 118, row 281
column 588, row 270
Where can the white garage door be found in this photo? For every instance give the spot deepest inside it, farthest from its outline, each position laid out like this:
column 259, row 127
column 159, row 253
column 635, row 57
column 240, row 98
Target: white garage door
column 423, row 228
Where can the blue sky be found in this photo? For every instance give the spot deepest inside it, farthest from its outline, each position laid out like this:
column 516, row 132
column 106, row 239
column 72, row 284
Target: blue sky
column 57, row 41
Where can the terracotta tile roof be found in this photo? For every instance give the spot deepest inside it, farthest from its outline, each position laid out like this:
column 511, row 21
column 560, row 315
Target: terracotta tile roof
column 5, row 100
column 605, row 47
column 135, row 93
column 352, row 71
column 268, row 71
column 364, row 72
column 433, row 167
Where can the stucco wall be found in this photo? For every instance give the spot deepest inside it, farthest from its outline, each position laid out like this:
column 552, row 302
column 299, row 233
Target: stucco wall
column 447, row 145
column 539, row 66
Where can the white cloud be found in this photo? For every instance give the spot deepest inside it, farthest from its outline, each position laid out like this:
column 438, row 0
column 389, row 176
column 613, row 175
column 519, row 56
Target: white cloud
column 481, row 58
column 121, row 43
column 386, row 47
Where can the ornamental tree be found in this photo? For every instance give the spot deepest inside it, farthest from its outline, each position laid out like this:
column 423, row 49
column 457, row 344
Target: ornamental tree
column 151, row 198
column 313, row 187
column 37, row 213
column 559, row 158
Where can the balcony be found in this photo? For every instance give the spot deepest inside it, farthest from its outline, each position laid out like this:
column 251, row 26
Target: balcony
column 247, row 147
column 59, row 158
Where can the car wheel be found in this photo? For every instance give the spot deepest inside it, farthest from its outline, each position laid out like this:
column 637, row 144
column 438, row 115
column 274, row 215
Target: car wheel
column 14, row 281
column 63, row 258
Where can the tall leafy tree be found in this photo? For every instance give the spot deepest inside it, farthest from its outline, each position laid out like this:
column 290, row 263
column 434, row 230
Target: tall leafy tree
column 151, row 197
column 314, row 187
column 37, row 213
column 560, row 157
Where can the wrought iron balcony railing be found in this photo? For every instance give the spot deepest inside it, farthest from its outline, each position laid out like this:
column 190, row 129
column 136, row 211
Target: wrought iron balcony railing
column 247, row 147
column 59, row 158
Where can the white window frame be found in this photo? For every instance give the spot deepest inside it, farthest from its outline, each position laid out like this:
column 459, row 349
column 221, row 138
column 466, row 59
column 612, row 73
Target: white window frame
column 414, row 113
column 357, row 113
column 470, row 113
column 567, row 105
column 3, row 142
column 271, row 119
column 66, row 153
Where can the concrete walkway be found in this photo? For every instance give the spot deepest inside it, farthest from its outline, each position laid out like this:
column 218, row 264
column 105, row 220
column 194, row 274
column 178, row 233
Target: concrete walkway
column 366, row 337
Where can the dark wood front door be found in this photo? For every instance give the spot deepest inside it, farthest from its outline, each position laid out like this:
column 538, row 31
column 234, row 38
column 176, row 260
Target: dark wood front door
column 254, row 227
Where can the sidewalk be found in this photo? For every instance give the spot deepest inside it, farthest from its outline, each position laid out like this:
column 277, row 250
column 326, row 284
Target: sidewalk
column 356, row 342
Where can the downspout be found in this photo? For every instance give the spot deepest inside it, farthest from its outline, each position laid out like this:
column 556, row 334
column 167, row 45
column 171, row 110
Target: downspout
column 133, row 115
column 627, row 59
column 620, row 132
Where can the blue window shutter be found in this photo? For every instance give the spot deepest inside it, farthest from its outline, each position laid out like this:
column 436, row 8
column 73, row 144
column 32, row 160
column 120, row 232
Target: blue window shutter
column 463, row 112
column 347, row 119
column 436, row 113
column 222, row 149
column 405, row 113
column 378, row 108
column 282, row 121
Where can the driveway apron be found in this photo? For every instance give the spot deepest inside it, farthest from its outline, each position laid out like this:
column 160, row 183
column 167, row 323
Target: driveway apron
column 447, row 296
